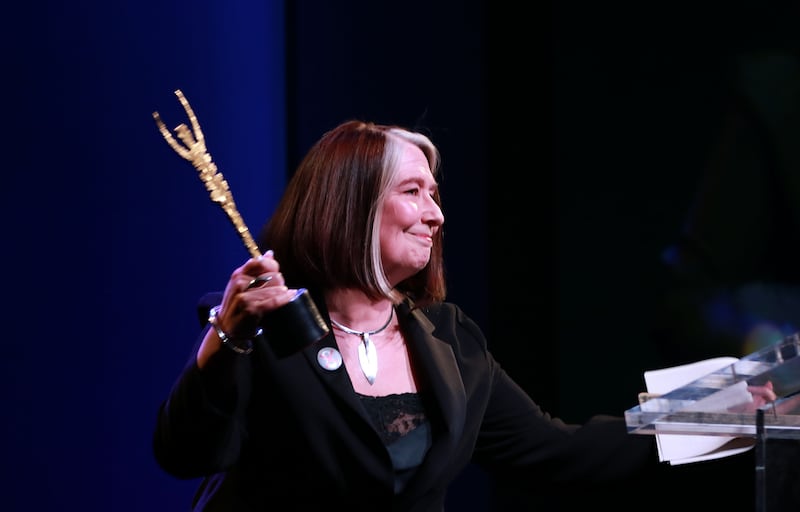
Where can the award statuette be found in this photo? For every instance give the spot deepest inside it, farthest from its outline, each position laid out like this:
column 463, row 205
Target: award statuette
column 299, row 320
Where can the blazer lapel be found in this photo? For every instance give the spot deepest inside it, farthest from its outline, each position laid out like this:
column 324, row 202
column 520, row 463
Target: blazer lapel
column 437, row 363
column 442, row 381
column 336, row 380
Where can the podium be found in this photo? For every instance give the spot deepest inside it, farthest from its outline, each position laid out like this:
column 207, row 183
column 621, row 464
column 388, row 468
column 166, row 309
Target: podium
column 705, row 407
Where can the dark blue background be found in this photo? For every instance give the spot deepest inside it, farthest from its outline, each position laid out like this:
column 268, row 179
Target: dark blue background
column 110, row 237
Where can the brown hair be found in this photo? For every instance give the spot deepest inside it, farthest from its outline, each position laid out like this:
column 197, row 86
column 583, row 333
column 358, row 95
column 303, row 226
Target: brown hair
column 324, row 231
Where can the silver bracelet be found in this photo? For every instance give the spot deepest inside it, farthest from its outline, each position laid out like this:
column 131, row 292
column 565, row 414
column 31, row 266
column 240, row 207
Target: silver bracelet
column 226, row 340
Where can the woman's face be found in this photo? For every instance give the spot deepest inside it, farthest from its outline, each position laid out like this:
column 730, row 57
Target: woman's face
column 410, row 217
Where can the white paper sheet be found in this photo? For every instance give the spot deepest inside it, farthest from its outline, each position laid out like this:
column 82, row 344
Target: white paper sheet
column 683, row 449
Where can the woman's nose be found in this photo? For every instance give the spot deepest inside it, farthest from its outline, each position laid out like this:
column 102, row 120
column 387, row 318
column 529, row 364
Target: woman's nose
column 433, row 213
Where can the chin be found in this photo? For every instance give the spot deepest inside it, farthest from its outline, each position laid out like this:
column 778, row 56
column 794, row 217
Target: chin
column 418, row 269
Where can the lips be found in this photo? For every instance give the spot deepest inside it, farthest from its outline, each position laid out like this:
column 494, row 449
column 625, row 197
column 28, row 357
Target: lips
column 423, row 237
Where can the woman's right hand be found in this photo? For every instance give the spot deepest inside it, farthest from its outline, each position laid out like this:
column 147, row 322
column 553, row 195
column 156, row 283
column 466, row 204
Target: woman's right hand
column 253, row 290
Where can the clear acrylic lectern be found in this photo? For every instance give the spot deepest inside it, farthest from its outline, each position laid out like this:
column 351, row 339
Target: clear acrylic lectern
column 704, row 406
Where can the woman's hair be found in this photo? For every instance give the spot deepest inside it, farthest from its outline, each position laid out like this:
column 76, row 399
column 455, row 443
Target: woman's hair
column 325, row 230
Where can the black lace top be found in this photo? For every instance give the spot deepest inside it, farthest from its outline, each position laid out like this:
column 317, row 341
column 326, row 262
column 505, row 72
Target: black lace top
column 400, row 420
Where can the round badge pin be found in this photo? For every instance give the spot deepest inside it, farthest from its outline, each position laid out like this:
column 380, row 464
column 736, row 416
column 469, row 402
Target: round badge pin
column 329, row 358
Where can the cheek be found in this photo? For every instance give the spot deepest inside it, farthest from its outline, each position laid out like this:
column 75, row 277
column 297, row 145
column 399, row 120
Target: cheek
column 401, row 212
column 397, row 217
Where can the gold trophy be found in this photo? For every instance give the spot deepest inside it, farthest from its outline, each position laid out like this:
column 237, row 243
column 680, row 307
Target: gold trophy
column 299, row 320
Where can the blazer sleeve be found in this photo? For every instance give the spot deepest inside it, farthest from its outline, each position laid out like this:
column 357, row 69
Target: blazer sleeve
column 517, row 434
column 200, row 426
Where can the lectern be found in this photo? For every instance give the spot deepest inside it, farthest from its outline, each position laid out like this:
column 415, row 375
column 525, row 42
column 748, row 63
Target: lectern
column 705, row 407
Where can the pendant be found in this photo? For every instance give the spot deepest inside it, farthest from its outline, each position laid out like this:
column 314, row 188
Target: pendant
column 368, row 358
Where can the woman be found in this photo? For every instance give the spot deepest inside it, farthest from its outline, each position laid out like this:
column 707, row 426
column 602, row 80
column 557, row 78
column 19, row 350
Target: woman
column 388, row 408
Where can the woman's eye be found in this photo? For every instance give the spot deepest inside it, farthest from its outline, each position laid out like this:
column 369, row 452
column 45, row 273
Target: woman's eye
column 412, row 191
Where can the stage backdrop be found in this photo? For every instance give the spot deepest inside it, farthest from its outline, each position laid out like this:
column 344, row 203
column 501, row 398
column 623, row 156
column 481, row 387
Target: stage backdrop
column 110, row 236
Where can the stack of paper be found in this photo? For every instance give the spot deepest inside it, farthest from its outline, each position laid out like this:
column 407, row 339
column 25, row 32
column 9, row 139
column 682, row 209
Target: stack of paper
column 682, row 449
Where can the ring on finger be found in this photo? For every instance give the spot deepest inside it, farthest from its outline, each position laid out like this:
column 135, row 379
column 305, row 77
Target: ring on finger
column 259, row 281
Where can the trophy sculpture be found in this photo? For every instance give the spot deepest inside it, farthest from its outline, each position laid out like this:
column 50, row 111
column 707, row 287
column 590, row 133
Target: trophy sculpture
column 299, row 320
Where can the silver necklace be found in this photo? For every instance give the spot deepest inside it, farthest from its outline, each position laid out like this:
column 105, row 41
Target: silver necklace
column 367, row 354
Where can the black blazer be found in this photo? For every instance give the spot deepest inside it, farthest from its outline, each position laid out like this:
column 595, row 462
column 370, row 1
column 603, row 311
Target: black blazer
column 270, row 427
